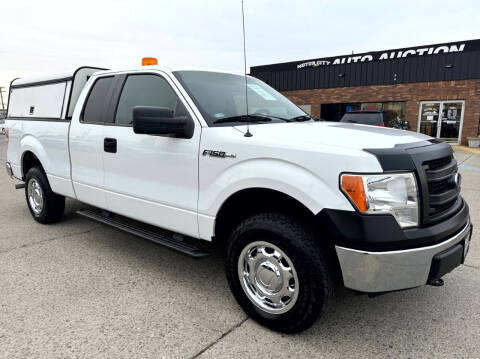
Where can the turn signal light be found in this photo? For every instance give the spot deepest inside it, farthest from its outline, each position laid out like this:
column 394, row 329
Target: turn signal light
column 353, row 188
column 148, row 61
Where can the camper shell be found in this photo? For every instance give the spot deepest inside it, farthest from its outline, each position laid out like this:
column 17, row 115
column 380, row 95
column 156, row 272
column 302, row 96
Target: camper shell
column 48, row 97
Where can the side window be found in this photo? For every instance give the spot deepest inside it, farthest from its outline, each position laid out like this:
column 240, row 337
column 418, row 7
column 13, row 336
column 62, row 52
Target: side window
column 146, row 90
column 97, row 100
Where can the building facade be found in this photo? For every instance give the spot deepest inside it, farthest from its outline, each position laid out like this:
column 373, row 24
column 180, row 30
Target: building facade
column 436, row 88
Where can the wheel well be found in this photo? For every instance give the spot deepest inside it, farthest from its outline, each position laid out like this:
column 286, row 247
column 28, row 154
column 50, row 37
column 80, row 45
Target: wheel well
column 29, row 160
column 249, row 202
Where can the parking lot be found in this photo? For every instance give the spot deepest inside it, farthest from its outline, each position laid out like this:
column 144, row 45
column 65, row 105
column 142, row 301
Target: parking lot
column 81, row 289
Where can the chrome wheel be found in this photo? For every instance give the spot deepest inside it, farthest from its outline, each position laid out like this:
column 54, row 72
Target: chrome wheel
column 35, row 196
column 268, row 277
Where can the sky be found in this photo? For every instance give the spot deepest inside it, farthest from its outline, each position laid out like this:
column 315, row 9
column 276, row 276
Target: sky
column 52, row 36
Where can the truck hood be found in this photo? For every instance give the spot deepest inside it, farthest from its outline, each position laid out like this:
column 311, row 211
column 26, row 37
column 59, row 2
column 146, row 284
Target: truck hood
column 346, row 135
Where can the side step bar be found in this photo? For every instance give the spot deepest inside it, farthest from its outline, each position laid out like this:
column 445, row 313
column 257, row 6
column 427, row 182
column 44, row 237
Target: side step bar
column 167, row 240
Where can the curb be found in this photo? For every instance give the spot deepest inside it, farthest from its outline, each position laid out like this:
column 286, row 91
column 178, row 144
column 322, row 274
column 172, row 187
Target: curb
column 467, row 149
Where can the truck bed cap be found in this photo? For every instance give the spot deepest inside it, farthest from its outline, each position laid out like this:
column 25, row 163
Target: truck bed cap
column 50, row 78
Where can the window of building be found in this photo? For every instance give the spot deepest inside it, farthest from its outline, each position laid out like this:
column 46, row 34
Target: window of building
column 393, row 112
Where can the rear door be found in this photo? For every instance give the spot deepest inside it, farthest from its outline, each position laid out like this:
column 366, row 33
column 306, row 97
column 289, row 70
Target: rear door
column 153, row 179
column 86, row 143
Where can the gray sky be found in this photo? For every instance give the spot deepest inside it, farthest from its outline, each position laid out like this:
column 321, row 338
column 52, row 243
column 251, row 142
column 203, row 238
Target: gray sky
column 50, row 36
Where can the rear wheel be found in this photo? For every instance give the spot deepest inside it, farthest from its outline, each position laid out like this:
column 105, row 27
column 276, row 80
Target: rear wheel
column 44, row 205
column 277, row 272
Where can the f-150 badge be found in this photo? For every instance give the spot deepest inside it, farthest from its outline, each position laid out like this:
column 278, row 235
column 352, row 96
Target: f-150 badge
column 220, row 154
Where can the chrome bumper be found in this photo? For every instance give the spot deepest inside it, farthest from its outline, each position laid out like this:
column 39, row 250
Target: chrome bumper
column 374, row 272
column 8, row 167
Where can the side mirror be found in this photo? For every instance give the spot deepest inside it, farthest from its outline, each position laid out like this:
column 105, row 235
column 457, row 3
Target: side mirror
column 161, row 122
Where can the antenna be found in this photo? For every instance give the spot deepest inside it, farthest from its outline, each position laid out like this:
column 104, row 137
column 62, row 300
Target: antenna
column 248, row 133
column 1, row 97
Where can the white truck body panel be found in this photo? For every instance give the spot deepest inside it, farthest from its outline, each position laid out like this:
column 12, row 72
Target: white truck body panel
column 160, row 186
column 48, row 141
column 45, row 101
column 307, row 171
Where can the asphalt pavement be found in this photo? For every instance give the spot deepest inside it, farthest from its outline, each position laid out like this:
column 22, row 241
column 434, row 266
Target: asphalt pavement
column 81, row 289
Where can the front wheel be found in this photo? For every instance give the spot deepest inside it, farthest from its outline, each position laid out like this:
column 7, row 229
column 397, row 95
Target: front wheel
column 277, row 272
column 44, row 205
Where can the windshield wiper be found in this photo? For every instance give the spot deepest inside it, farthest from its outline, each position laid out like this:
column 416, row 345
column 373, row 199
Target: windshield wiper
column 250, row 118
column 301, row 118
column 244, row 118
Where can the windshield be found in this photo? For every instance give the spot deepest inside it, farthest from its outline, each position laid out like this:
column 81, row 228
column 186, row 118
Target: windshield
column 220, row 96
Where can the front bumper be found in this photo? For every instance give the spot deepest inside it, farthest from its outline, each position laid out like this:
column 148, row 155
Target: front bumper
column 374, row 272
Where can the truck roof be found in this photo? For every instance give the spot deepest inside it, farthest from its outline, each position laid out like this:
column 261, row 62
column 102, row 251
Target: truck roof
column 169, row 69
column 67, row 76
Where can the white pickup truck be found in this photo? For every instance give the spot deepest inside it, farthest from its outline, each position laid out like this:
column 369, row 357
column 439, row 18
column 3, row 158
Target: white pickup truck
column 179, row 156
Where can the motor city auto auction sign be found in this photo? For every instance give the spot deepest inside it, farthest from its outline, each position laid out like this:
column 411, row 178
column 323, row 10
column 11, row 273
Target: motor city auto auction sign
column 374, row 56
column 385, row 55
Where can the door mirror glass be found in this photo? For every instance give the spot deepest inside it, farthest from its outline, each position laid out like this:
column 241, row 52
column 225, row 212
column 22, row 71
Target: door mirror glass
column 161, row 121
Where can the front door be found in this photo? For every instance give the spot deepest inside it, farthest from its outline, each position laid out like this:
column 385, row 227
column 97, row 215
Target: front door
column 153, row 179
column 441, row 119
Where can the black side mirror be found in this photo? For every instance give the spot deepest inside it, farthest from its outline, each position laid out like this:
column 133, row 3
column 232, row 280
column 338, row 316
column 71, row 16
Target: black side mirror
column 160, row 121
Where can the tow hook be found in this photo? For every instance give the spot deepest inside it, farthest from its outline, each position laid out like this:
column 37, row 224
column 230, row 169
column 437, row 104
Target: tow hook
column 437, row 282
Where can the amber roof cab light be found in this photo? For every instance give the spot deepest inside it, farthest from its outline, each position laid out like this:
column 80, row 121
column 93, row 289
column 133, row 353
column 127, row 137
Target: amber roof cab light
column 149, row 61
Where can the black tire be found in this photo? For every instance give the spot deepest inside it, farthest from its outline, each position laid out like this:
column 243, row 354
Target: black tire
column 298, row 242
column 53, row 204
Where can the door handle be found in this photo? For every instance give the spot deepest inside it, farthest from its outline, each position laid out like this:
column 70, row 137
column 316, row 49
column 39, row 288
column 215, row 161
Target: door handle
column 110, row 145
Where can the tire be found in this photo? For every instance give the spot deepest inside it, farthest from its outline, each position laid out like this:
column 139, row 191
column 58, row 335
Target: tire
column 44, row 205
column 303, row 261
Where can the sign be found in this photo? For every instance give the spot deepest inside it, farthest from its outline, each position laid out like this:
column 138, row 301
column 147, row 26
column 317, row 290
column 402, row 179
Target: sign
column 386, row 55
column 374, row 56
column 348, row 108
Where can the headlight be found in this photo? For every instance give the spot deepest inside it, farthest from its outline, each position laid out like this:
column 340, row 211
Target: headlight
column 392, row 193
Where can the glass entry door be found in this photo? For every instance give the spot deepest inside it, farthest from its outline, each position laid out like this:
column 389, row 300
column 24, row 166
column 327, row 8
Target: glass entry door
column 441, row 119
column 429, row 114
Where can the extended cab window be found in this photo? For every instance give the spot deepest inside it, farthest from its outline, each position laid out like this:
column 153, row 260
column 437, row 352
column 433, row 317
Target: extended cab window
column 97, row 100
column 146, row 90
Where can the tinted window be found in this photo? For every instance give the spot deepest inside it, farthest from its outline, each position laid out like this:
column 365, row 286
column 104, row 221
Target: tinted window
column 97, row 100
column 363, row 118
column 146, row 90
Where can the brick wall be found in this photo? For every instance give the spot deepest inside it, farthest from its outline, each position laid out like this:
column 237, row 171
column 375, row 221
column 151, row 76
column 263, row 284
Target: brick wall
column 412, row 94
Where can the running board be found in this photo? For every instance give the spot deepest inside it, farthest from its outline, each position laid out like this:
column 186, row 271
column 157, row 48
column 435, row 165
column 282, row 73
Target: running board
column 165, row 239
